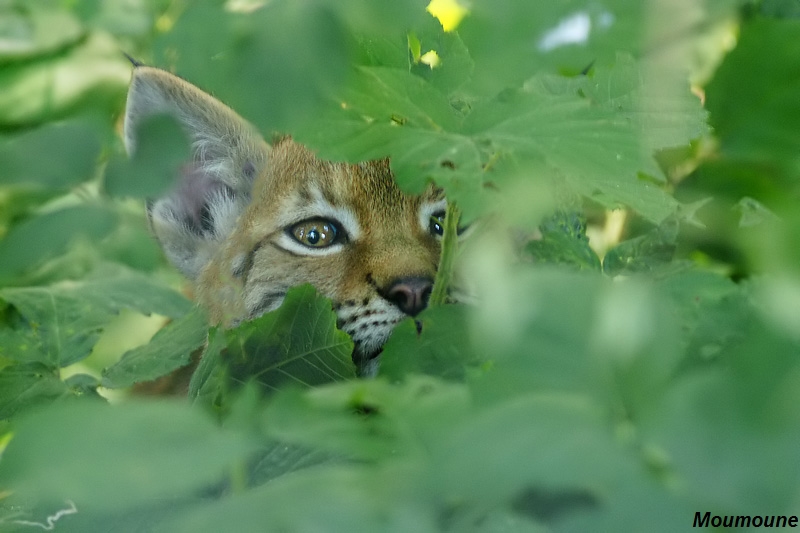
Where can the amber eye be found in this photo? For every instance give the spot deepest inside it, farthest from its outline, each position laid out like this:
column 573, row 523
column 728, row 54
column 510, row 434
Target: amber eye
column 316, row 233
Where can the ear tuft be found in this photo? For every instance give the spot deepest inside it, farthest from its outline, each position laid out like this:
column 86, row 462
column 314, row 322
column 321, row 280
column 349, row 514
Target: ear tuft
column 214, row 188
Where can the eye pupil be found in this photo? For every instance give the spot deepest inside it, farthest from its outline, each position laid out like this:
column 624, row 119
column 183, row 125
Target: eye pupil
column 316, row 233
column 436, row 226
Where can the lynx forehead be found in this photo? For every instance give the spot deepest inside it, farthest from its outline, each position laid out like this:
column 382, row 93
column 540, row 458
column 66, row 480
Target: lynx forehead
column 246, row 221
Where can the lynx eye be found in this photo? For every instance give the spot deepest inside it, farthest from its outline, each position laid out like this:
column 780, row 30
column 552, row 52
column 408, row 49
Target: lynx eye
column 437, row 224
column 316, row 233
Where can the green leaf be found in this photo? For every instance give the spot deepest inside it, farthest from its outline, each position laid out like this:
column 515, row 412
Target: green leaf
column 455, row 66
column 28, row 385
column 706, row 435
column 435, row 343
column 180, row 452
column 51, row 233
column 298, row 344
column 564, row 242
column 646, row 253
column 568, row 437
column 30, row 29
column 758, row 121
column 326, row 498
column 614, row 121
column 612, row 139
column 169, row 350
column 56, row 156
column 66, row 318
column 336, row 422
column 160, row 153
column 92, row 76
column 291, row 53
column 511, row 41
column 712, row 312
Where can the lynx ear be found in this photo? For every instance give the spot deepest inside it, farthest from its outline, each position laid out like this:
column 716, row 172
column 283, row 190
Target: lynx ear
column 214, row 186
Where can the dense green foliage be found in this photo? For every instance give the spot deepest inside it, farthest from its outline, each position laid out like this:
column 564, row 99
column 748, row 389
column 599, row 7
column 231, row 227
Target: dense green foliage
column 621, row 386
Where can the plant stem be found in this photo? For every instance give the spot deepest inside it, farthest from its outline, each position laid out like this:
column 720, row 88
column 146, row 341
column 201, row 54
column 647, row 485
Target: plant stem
column 449, row 246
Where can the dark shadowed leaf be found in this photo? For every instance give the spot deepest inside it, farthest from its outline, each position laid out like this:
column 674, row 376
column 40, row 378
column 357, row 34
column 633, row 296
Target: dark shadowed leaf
column 759, row 121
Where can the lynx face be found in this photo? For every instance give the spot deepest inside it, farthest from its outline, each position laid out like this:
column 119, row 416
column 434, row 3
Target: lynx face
column 247, row 221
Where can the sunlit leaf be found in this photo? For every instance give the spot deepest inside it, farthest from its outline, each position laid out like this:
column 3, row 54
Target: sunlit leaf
column 66, row 319
column 169, row 350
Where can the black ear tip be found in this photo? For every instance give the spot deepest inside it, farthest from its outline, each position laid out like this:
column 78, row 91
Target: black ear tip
column 133, row 61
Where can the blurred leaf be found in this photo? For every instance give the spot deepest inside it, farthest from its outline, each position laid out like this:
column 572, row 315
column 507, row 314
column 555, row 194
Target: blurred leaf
column 780, row 8
column 702, row 429
column 169, row 350
column 712, row 312
column 126, row 18
column 332, row 425
column 92, row 76
column 759, row 121
column 511, row 41
column 31, row 29
column 56, row 156
column 66, row 319
column 29, row 244
column 646, row 253
column 28, row 385
column 380, row 20
column 84, row 385
column 180, row 453
column 294, row 53
column 435, row 343
column 568, row 438
column 298, row 343
column 161, row 151
column 754, row 213
column 327, row 498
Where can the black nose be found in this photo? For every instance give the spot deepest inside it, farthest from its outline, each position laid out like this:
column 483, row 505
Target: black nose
column 410, row 294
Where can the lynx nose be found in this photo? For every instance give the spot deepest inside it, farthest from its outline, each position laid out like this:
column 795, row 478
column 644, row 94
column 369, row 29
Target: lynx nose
column 410, row 294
